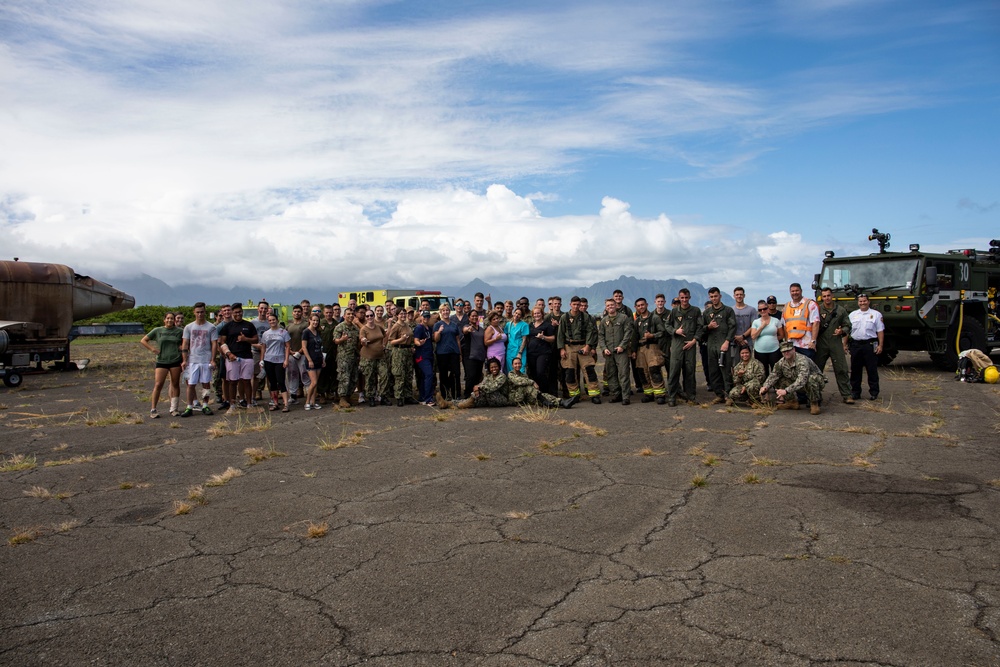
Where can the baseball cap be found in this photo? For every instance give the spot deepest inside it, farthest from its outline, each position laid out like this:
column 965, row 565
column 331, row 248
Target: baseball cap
column 786, row 345
column 772, row 299
column 425, row 313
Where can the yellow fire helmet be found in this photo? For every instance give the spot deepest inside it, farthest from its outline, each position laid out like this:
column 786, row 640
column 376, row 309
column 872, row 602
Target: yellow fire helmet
column 991, row 374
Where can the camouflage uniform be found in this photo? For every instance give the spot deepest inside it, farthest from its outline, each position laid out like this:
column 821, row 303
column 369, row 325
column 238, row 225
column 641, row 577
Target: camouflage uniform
column 720, row 379
column 492, row 392
column 522, row 391
column 401, row 360
column 347, row 358
column 574, row 333
column 683, row 362
column 801, row 373
column 747, row 375
column 649, row 356
column 831, row 346
column 616, row 332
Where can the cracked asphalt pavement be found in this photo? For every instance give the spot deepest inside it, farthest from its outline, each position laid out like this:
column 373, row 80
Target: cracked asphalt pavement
column 601, row 535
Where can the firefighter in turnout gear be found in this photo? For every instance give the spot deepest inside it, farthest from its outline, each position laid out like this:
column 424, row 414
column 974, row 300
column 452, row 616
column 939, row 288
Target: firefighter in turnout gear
column 576, row 340
column 648, row 355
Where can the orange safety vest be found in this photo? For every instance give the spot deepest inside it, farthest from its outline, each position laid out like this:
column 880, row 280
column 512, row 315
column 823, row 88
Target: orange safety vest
column 796, row 320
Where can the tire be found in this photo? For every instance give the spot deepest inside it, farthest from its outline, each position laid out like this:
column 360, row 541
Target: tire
column 973, row 336
column 13, row 379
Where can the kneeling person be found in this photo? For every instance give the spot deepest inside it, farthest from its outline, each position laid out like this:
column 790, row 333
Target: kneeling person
column 793, row 373
column 748, row 375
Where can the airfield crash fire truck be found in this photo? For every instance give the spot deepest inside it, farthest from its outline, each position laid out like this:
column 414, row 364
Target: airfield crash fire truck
column 938, row 303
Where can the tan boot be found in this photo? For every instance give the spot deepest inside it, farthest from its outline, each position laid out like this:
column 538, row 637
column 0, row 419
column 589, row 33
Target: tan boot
column 466, row 404
column 814, row 409
column 344, row 403
column 788, row 405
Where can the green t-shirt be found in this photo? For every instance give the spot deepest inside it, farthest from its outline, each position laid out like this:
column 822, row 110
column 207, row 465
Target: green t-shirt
column 169, row 341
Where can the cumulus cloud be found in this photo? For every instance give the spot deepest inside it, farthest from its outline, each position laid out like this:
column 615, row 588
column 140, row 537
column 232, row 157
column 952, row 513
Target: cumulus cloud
column 431, row 236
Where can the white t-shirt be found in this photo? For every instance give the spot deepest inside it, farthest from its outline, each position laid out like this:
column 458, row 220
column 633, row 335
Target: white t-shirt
column 274, row 345
column 199, row 338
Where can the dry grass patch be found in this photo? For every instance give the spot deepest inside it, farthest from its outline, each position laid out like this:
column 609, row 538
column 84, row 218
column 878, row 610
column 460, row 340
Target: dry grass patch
column 711, row 460
column 66, row 526
column 860, row 461
column 533, row 414
column 699, row 480
column 590, row 430
column 696, row 451
column 764, row 409
column 482, row 456
column 61, row 447
column 884, row 407
column 517, row 515
column 112, row 417
column 317, row 530
column 764, row 461
column 181, row 507
column 646, row 451
column 995, row 483
column 45, row 494
column 258, row 454
column 751, row 478
column 430, row 453
column 125, row 486
column 197, row 494
column 479, row 418
column 16, row 462
column 243, row 424
column 346, row 439
column 24, row 535
column 224, row 477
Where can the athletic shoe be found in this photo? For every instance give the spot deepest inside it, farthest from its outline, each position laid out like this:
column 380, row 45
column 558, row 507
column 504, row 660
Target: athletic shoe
column 316, row 406
column 224, row 405
column 243, row 403
column 206, row 410
column 309, row 406
column 188, row 411
column 153, row 414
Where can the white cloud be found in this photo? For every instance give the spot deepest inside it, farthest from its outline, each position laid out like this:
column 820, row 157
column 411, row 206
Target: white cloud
column 432, row 236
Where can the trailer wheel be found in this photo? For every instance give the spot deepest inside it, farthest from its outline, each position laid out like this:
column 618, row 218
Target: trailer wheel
column 12, row 379
column 973, row 336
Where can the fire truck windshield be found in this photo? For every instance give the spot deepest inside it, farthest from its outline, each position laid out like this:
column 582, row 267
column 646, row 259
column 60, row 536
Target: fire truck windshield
column 871, row 275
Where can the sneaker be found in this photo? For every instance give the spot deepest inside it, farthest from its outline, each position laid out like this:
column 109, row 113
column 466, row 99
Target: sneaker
column 243, row 403
column 188, row 411
column 292, row 401
column 316, row 406
column 153, row 414
column 361, row 397
column 309, row 406
column 224, row 405
column 205, row 410
column 196, row 405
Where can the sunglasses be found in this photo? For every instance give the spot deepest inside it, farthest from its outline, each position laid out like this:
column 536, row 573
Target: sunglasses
column 761, row 310
column 370, row 315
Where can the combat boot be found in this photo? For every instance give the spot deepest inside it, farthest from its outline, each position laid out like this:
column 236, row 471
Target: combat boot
column 814, row 409
column 788, row 405
column 567, row 403
column 344, row 403
column 466, row 404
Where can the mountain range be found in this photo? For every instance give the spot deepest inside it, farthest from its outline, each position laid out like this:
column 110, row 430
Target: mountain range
column 148, row 290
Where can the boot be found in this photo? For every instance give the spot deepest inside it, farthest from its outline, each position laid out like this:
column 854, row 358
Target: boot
column 646, row 398
column 466, row 404
column 596, row 400
column 344, row 403
column 661, row 400
column 788, row 405
column 814, row 409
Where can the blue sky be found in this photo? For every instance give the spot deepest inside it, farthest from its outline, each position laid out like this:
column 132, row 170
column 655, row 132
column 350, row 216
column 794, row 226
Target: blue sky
column 283, row 143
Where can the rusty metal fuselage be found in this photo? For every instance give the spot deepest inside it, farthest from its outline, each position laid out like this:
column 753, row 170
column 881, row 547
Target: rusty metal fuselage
column 39, row 303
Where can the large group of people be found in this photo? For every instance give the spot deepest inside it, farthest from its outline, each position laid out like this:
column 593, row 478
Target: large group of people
column 480, row 354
